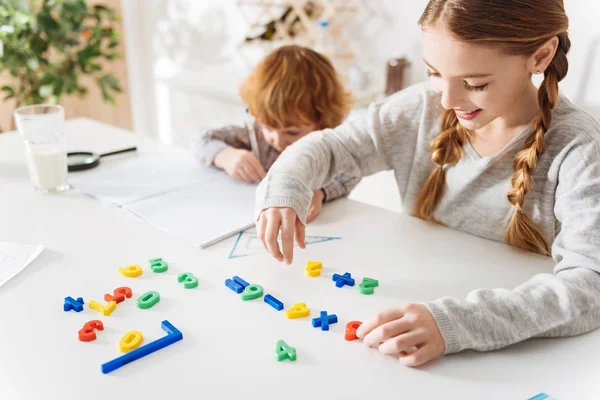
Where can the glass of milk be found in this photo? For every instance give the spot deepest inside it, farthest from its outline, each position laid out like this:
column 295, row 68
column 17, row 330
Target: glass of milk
column 41, row 127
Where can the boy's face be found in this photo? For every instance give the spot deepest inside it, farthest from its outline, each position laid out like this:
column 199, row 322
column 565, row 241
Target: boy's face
column 283, row 137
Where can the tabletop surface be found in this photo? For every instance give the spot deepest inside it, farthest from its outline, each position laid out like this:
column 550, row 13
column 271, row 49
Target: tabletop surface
column 228, row 345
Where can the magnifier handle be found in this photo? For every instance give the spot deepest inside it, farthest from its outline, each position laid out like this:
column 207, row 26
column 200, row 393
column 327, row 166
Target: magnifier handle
column 119, row 151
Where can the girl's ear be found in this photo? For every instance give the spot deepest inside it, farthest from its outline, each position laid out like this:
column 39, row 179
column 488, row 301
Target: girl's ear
column 543, row 56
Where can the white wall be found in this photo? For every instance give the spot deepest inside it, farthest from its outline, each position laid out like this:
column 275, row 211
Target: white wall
column 191, row 47
column 582, row 84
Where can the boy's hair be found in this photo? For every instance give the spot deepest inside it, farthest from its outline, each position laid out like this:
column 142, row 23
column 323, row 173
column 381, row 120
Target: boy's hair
column 296, row 86
column 517, row 27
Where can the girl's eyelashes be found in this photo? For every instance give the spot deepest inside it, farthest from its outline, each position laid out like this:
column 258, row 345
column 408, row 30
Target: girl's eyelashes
column 468, row 87
column 475, row 88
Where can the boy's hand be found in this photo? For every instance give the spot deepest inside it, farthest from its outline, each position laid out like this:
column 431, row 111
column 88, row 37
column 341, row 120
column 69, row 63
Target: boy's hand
column 240, row 164
column 268, row 225
column 408, row 331
column 316, row 205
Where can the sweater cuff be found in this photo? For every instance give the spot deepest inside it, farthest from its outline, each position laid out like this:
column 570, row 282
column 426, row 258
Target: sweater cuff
column 445, row 326
column 281, row 201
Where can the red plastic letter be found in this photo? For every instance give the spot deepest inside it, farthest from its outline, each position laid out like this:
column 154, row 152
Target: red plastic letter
column 351, row 328
column 87, row 334
column 119, row 294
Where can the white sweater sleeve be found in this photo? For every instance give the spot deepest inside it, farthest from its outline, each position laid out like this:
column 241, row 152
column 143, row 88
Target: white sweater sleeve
column 565, row 303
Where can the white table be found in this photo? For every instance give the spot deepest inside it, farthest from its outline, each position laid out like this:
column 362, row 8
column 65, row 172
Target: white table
column 228, row 345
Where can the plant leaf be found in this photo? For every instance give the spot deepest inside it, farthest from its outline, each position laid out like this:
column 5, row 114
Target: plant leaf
column 46, row 91
column 44, row 46
column 33, row 64
column 58, row 86
column 113, row 82
column 84, row 55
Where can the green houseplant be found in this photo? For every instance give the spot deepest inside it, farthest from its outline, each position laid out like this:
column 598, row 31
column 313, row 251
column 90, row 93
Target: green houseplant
column 46, row 46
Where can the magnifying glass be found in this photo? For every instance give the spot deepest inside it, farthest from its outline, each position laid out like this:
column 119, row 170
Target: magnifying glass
column 82, row 160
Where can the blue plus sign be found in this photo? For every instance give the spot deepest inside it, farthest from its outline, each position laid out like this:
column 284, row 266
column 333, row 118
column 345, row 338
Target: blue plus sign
column 72, row 304
column 324, row 320
column 341, row 280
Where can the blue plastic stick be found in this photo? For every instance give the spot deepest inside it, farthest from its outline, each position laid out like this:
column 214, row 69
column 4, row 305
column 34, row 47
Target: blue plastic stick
column 236, row 287
column 273, row 302
column 240, row 281
column 72, row 304
column 173, row 335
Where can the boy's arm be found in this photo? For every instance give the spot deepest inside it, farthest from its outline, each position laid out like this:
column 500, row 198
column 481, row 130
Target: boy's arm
column 208, row 143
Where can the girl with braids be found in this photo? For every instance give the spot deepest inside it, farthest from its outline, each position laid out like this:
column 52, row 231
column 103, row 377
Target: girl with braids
column 480, row 149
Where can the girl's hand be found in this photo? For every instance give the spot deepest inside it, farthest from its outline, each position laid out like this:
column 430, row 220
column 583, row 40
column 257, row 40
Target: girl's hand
column 268, row 225
column 240, row 164
column 316, row 205
column 408, row 331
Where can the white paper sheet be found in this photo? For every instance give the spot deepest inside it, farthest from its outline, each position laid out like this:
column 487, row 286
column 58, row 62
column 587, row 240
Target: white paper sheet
column 202, row 214
column 15, row 257
column 135, row 177
column 175, row 193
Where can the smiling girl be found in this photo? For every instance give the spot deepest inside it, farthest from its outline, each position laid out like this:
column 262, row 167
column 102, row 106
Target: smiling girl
column 479, row 149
